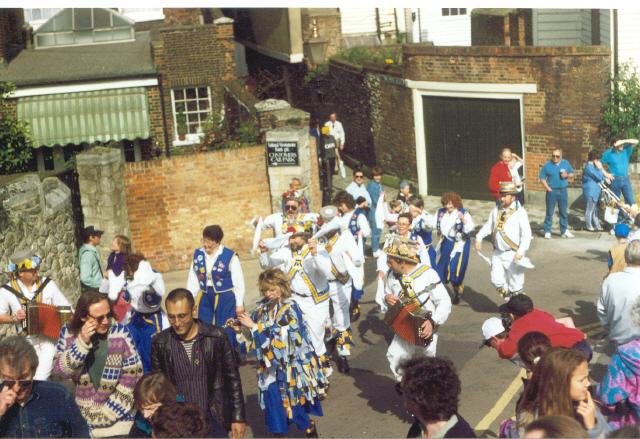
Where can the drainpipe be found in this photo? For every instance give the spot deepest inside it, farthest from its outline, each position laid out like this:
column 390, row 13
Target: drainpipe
column 378, row 24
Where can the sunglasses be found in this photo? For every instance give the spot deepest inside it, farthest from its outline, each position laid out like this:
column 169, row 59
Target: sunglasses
column 290, row 207
column 100, row 319
column 22, row 383
column 358, row 176
column 555, row 156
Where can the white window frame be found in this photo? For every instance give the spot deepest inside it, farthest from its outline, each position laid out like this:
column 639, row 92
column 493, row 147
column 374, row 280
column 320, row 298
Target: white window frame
column 191, row 138
column 459, row 90
column 143, row 14
column 35, row 24
column 458, row 14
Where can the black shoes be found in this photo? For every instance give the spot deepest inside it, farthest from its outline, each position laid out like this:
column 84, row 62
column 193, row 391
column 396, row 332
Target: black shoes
column 312, row 431
column 343, row 364
column 354, row 314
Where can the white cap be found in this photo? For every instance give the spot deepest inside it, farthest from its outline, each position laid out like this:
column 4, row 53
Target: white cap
column 492, row 326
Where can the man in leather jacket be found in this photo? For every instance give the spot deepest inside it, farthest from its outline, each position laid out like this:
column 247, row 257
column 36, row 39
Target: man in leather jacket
column 198, row 359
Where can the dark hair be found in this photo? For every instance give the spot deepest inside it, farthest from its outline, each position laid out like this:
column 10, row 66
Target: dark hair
column 214, row 233
column 433, row 384
column 560, row 426
column 531, row 346
column 592, row 155
column 131, row 262
column 87, row 298
column 406, row 215
column 628, row 431
column 179, row 294
column 453, row 197
column 376, row 170
column 357, row 168
column 415, row 200
column 344, row 197
column 154, row 387
column 14, row 350
column 180, row 419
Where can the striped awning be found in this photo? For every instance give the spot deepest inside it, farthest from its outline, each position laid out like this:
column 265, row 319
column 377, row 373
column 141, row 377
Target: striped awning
column 104, row 115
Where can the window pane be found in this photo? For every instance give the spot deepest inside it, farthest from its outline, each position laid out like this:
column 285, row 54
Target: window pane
column 445, row 12
column 103, row 35
column 47, row 13
column 84, row 36
column 123, row 33
column 46, row 40
column 203, row 92
column 454, row 11
column 178, row 95
column 101, row 18
column 463, row 11
column 192, row 105
column 64, row 38
column 117, row 21
column 82, row 18
column 193, row 118
column 37, row 14
column 191, row 93
column 192, row 128
column 204, row 104
column 63, row 21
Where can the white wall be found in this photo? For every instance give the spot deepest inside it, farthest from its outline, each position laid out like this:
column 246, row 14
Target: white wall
column 362, row 21
column 453, row 30
column 629, row 35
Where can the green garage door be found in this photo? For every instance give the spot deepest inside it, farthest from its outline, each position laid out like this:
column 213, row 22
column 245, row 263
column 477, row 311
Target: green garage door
column 464, row 138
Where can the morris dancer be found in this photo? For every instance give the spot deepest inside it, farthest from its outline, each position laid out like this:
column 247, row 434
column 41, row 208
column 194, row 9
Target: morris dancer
column 423, row 286
column 356, row 221
column 142, row 288
column 216, row 281
column 290, row 377
column 308, row 266
column 26, row 287
column 422, row 225
column 404, row 224
column 454, row 224
column 511, row 236
column 336, row 241
column 282, row 222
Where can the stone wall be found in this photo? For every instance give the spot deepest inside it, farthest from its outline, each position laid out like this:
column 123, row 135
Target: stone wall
column 170, row 202
column 38, row 215
column 102, row 191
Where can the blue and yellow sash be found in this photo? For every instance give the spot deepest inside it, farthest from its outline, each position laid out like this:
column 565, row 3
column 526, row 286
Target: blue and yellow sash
column 297, row 267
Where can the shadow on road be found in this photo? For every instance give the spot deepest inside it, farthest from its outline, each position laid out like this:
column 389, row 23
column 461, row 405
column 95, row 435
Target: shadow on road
column 379, row 392
column 584, row 312
column 371, row 327
column 478, row 301
column 598, row 255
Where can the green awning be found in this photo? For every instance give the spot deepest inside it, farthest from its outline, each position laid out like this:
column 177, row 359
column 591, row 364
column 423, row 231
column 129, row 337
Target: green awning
column 91, row 116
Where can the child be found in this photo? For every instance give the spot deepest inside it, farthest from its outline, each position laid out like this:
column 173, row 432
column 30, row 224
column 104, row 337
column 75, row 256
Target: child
column 515, row 164
column 404, row 193
column 290, row 377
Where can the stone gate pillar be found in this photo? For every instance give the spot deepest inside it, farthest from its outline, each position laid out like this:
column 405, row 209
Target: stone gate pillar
column 103, row 195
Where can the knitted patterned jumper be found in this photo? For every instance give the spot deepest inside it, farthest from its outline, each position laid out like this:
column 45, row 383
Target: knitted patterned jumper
column 108, row 410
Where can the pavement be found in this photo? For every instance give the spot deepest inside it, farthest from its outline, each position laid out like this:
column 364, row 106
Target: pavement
column 566, row 281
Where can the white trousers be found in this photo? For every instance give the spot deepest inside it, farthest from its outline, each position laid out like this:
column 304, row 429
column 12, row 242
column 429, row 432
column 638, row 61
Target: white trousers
column 317, row 314
column 400, row 349
column 505, row 273
column 340, row 296
column 45, row 349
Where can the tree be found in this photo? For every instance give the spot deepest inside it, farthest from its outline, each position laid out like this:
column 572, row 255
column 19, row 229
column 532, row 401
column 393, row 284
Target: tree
column 622, row 110
column 16, row 145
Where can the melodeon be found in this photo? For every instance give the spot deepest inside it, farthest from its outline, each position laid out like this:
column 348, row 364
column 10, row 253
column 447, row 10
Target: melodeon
column 406, row 318
column 44, row 319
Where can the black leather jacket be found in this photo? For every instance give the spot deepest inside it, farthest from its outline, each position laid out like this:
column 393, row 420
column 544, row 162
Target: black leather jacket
column 226, row 402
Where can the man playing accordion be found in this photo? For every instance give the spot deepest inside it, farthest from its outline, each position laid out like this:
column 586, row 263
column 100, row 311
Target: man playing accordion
column 411, row 284
column 26, row 289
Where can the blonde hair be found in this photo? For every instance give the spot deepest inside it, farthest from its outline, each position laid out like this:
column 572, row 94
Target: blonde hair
column 274, row 278
column 124, row 244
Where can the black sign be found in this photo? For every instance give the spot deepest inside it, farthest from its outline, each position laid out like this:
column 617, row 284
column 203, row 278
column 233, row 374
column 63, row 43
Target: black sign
column 282, row 153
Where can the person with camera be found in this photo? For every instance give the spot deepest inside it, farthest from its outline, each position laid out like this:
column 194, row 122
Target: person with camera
column 525, row 318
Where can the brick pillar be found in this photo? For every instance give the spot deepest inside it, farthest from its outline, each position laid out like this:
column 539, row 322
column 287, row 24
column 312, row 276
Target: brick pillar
column 103, row 195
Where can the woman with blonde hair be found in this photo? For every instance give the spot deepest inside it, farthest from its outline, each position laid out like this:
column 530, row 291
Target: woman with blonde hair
column 560, row 386
column 290, row 377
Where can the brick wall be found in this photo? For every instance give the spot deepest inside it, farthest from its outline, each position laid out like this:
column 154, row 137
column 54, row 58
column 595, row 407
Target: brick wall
column 170, row 201
column 154, row 98
column 191, row 56
column 329, row 26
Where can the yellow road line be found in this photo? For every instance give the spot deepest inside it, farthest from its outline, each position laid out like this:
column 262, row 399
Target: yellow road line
column 500, row 405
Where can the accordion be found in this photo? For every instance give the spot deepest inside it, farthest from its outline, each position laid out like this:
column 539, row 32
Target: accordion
column 44, row 319
column 406, row 318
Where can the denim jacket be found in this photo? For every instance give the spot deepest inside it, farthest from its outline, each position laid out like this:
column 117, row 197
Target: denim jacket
column 50, row 411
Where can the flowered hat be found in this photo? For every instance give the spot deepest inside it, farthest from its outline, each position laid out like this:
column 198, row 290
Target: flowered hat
column 301, row 227
column 292, row 194
column 22, row 260
column 403, row 249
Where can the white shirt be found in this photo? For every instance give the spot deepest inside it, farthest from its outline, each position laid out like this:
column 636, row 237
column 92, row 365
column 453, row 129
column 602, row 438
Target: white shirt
column 275, row 221
column 428, row 222
column 345, row 243
column 618, row 293
column 516, row 227
column 317, row 268
column 439, row 302
column 515, row 176
column 144, row 279
column 448, row 224
column 336, row 130
column 235, row 268
column 359, row 190
column 363, row 224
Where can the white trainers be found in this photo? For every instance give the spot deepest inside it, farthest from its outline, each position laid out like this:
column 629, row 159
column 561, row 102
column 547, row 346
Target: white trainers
column 567, row 234
column 377, row 253
column 547, row 235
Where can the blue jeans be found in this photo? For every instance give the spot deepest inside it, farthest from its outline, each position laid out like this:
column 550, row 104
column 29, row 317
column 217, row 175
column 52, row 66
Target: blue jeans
column 623, row 184
column 375, row 236
column 591, row 214
column 561, row 197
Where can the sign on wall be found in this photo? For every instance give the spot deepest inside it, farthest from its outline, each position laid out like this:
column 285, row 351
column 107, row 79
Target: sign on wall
column 282, row 154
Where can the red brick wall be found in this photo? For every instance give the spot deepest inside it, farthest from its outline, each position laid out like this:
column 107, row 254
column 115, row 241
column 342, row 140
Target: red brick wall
column 566, row 110
column 329, row 23
column 170, row 201
column 155, row 118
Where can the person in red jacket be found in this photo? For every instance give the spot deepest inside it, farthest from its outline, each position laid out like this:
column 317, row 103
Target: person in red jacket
column 526, row 318
column 500, row 172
